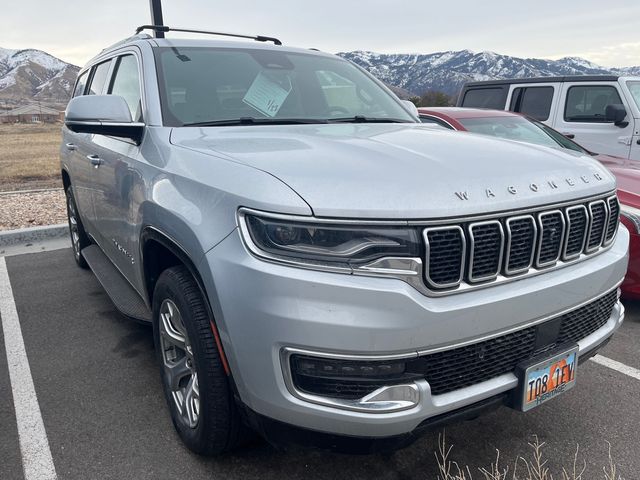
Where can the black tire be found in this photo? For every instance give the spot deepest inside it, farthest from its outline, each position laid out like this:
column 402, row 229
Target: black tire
column 79, row 238
column 219, row 427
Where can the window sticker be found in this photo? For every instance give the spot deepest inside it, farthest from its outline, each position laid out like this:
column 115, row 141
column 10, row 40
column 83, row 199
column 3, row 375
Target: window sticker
column 267, row 95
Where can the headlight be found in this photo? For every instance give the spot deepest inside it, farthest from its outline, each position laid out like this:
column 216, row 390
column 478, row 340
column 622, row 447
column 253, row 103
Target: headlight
column 329, row 244
column 632, row 214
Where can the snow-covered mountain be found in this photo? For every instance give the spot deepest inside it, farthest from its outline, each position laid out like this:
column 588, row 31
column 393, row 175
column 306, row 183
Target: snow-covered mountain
column 447, row 71
column 33, row 75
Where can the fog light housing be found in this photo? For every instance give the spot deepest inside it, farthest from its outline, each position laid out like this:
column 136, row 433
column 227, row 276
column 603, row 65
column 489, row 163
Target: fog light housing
column 345, row 379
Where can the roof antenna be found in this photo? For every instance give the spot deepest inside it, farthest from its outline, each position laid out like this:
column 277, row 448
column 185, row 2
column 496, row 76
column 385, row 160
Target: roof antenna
column 156, row 17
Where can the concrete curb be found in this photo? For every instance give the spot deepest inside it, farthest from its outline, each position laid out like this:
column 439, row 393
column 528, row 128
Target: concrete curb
column 38, row 190
column 33, row 234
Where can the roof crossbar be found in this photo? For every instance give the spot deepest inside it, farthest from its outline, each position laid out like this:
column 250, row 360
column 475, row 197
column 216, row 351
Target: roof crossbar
column 164, row 28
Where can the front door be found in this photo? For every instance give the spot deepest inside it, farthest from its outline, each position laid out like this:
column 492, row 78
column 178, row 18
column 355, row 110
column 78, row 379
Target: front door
column 581, row 115
column 114, row 180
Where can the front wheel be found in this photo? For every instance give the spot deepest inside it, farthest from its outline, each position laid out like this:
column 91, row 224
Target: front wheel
column 79, row 238
column 194, row 380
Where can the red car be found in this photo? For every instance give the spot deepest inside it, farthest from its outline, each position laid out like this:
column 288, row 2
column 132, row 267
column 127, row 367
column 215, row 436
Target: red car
column 513, row 126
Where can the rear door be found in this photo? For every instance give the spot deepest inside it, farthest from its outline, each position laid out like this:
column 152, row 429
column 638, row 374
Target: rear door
column 581, row 116
column 114, row 176
column 535, row 100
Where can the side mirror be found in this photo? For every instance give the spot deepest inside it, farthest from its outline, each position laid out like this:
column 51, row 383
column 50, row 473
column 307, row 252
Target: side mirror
column 102, row 115
column 411, row 106
column 616, row 113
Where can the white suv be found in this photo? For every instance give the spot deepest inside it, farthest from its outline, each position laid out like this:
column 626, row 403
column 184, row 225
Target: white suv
column 601, row 113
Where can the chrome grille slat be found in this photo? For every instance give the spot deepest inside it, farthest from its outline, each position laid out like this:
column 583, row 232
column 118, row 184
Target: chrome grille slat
column 446, row 250
column 551, row 237
column 521, row 239
column 614, row 219
column 598, row 221
column 485, row 250
column 513, row 246
column 577, row 230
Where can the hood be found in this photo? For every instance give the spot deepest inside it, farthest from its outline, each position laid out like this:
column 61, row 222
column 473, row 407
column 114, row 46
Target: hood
column 388, row 171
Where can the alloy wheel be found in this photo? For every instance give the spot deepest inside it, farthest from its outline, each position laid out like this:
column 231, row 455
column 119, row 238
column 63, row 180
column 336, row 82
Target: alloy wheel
column 179, row 365
column 73, row 226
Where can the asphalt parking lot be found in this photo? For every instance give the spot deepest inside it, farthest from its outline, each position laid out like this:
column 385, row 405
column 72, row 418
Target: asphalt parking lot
column 100, row 399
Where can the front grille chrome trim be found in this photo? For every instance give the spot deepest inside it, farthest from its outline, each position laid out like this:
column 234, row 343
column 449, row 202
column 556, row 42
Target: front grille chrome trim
column 595, row 248
column 516, row 271
column 566, row 257
column 614, row 199
column 471, row 277
column 541, row 216
column 425, row 235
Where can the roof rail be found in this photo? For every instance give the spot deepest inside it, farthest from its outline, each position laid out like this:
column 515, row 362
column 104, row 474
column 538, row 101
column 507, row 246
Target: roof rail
column 164, row 28
column 137, row 36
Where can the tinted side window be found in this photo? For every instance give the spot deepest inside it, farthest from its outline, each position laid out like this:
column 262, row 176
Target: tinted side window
column 126, row 83
column 587, row 103
column 494, row 98
column 99, row 78
column 532, row 101
column 80, row 84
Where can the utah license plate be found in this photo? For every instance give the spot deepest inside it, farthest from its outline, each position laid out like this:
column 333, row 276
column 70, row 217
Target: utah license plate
column 549, row 378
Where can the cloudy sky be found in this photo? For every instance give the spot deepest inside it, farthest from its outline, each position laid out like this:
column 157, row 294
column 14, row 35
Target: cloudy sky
column 603, row 32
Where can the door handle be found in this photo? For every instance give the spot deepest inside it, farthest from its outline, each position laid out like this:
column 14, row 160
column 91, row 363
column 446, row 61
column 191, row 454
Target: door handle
column 570, row 136
column 70, row 146
column 95, row 160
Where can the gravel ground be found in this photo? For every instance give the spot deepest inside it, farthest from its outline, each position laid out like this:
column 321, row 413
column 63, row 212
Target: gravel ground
column 21, row 210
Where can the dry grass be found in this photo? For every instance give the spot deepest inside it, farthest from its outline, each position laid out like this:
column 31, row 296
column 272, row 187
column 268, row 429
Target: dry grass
column 29, row 156
column 533, row 467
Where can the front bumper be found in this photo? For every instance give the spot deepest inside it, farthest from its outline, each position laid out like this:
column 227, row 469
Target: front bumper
column 262, row 308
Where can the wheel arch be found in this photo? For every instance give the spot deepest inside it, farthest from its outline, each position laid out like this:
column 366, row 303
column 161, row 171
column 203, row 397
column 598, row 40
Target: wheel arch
column 159, row 251
column 66, row 179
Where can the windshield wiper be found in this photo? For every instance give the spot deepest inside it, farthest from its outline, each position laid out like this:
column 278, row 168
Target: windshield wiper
column 255, row 121
column 363, row 119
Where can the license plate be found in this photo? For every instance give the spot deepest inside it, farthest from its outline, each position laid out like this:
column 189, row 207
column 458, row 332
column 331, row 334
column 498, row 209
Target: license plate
column 549, row 378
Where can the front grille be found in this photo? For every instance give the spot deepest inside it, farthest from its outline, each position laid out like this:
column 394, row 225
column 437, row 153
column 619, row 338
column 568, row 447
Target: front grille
column 521, row 235
column 465, row 366
column 511, row 246
column 614, row 219
column 551, row 235
column 487, row 240
column 598, row 212
column 446, row 250
column 577, row 223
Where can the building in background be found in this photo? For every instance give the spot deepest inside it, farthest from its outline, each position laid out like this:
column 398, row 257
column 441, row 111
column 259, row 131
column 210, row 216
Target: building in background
column 32, row 113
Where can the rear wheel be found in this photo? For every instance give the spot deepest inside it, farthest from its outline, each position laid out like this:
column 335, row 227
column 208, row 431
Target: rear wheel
column 79, row 238
column 195, row 384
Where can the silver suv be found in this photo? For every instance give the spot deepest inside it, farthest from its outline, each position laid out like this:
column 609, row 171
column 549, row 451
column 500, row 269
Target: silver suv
column 319, row 266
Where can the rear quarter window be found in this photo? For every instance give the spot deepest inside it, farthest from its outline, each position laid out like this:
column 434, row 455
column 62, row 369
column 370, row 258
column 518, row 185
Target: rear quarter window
column 494, row 98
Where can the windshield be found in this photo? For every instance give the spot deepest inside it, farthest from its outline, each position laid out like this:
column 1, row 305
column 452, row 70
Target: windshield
column 520, row 129
column 634, row 88
column 200, row 85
